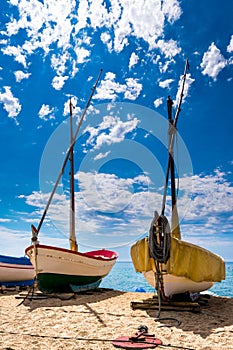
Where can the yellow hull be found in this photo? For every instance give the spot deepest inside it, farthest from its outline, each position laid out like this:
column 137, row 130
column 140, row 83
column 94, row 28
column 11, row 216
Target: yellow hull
column 190, row 268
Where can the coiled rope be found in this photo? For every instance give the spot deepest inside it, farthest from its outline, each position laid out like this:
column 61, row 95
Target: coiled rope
column 159, row 246
column 160, row 239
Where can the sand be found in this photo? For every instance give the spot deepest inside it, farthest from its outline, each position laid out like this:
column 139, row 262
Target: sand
column 91, row 321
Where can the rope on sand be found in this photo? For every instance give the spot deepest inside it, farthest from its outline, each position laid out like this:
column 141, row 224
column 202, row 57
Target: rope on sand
column 85, row 339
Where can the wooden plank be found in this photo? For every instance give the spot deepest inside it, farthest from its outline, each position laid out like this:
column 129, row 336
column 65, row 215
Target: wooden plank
column 152, row 304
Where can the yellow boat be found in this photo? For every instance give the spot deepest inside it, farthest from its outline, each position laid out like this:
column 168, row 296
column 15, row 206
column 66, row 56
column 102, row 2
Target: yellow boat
column 169, row 264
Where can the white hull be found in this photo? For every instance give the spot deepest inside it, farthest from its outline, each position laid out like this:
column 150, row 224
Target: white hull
column 57, row 269
column 177, row 285
column 15, row 272
column 63, row 261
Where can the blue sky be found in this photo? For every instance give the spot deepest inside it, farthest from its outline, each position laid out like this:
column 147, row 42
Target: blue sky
column 51, row 50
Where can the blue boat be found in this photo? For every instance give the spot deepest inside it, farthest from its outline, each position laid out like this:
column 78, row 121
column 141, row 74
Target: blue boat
column 16, row 271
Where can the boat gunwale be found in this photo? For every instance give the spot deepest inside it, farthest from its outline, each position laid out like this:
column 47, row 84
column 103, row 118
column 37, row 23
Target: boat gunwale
column 87, row 254
column 15, row 266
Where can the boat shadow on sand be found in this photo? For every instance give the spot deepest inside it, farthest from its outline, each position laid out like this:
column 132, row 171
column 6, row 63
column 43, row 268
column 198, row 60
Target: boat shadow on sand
column 212, row 318
column 38, row 299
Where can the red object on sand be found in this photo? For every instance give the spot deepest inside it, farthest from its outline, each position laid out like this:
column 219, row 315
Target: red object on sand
column 138, row 341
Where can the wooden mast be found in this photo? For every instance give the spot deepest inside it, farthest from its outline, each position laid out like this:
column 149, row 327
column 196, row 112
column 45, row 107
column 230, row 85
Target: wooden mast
column 73, row 242
column 35, row 231
column 175, row 227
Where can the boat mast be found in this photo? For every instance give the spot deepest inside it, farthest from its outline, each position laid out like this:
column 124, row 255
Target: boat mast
column 175, row 227
column 35, row 231
column 73, row 242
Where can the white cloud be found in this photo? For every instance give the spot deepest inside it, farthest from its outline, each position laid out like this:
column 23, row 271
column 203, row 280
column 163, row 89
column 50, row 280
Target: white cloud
column 82, row 55
column 158, row 102
column 230, row 46
column 109, row 89
column 147, row 18
column 133, row 60
column 140, row 18
column 101, row 195
column 61, row 24
column 102, row 155
column 171, row 10
column 133, row 89
column 213, row 62
column 46, row 111
column 168, row 48
column 58, row 82
column 44, row 24
column 14, row 242
column 111, row 130
column 106, row 39
column 10, row 103
column 76, row 108
column 211, row 194
column 107, row 204
column 58, row 63
column 166, row 83
column 17, row 53
column 188, row 83
column 19, row 75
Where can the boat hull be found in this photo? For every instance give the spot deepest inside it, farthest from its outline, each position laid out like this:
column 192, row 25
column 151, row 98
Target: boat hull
column 57, row 269
column 190, row 268
column 177, row 284
column 16, row 271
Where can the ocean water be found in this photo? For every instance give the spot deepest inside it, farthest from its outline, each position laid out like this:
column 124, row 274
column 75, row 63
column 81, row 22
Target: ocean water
column 123, row 277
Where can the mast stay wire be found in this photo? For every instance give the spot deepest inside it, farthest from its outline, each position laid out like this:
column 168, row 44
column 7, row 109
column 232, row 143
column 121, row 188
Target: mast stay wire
column 35, row 231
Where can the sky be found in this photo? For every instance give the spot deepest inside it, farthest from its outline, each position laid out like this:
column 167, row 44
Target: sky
column 53, row 50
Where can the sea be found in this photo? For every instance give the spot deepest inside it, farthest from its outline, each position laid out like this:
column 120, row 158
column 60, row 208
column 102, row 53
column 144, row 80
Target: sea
column 123, row 277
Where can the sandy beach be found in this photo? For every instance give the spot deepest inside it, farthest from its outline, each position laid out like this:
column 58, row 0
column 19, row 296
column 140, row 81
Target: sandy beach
column 91, row 321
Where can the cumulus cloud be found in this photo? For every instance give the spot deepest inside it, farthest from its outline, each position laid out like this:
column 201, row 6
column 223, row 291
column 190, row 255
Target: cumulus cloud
column 166, row 83
column 230, row 46
column 168, row 48
column 188, row 83
column 133, row 60
column 110, row 130
column 171, row 10
column 212, row 195
column 106, row 39
column 107, row 204
column 45, row 112
column 10, row 103
column 17, row 53
column 213, row 62
column 19, row 75
column 62, row 23
column 58, row 82
column 82, row 55
column 101, row 155
column 109, row 88
column 158, row 102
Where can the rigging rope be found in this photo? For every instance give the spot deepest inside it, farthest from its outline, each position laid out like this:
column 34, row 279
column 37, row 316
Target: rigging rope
column 160, row 233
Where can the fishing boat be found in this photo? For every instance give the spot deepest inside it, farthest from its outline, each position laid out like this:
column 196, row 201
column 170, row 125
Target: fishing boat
column 63, row 270
column 15, row 271
column 173, row 266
